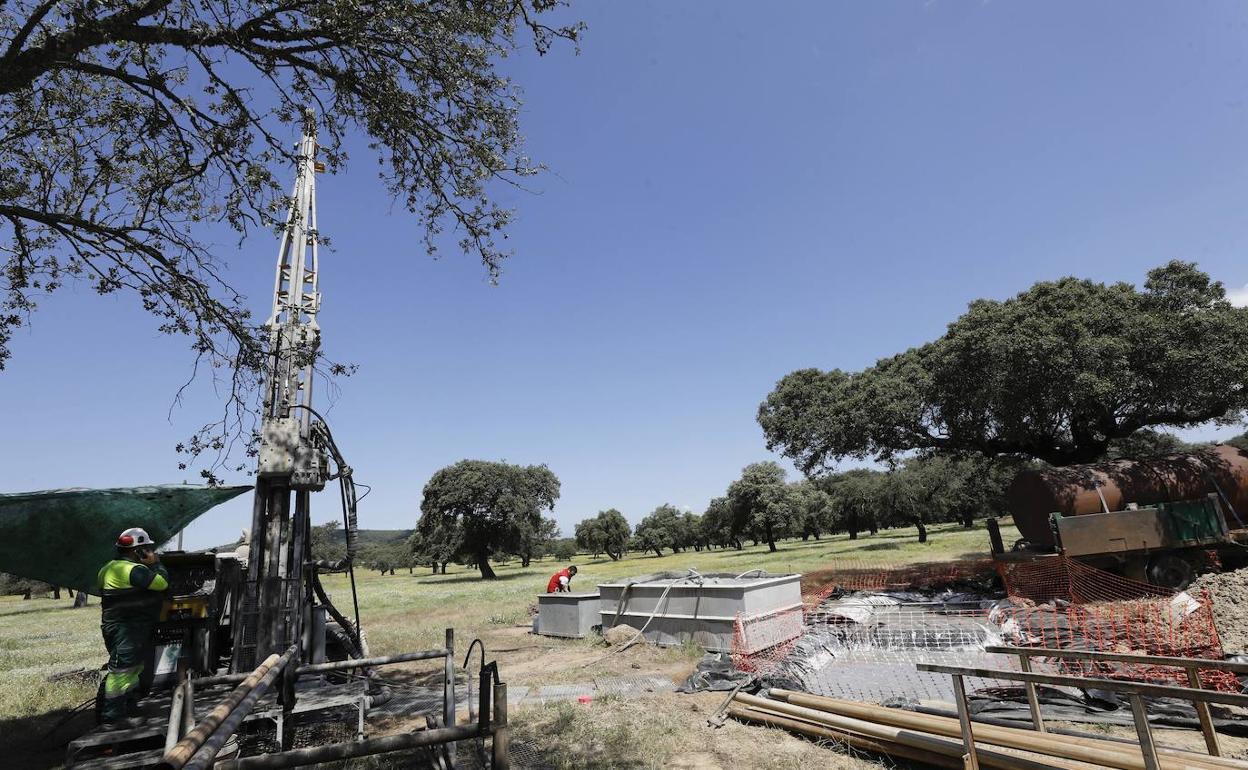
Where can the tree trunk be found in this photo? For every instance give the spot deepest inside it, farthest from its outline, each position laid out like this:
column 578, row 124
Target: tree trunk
column 56, row 592
column 816, row 536
column 81, row 599
column 737, row 544
column 615, row 556
column 483, row 564
column 874, row 526
column 525, row 559
column 851, row 524
column 444, row 567
column 435, row 568
column 658, row 551
column 805, row 536
column 922, row 530
column 968, row 519
column 771, row 538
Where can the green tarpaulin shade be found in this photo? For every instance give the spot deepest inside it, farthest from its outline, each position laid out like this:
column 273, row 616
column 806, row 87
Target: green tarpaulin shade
column 64, row 536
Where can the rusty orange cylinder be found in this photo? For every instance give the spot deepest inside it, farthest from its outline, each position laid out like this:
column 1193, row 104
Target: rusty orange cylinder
column 1073, row 490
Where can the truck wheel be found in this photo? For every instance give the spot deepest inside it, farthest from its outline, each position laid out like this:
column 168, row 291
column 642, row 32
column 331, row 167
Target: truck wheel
column 1170, row 571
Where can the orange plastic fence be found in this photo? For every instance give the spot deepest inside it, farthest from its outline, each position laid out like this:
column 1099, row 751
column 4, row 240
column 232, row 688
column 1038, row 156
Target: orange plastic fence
column 1055, row 602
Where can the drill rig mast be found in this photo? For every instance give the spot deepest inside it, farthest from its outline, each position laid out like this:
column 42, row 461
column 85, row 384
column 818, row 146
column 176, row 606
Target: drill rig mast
column 294, row 444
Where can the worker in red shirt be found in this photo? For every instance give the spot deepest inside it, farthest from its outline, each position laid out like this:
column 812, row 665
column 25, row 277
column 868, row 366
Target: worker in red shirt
column 561, row 581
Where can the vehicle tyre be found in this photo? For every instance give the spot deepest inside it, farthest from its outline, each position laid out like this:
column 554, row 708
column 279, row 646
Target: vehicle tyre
column 1170, row 571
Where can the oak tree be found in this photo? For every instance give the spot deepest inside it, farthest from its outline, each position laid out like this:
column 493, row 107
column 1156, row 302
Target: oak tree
column 1057, row 373
column 493, row 504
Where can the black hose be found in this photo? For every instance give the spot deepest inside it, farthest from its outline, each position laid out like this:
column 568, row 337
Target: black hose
column 347, row 626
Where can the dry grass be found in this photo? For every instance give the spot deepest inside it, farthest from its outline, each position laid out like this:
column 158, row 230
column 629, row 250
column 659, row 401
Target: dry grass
column 667, row 731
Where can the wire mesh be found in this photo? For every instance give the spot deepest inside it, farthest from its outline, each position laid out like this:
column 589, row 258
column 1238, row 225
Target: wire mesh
column 864, row 644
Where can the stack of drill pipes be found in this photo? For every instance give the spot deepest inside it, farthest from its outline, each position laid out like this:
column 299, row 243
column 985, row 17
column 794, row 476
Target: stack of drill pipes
column 852, row 740
column 895, row 741
column 1104, row 753
column 178, row 756
column 1007, row 736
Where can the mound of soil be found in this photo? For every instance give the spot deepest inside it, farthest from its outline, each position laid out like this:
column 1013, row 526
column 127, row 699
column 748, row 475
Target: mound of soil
column 1230, row 606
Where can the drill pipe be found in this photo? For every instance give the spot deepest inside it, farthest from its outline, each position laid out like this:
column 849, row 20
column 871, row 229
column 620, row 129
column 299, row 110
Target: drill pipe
column 207, row 753
column 853, row 740
column 339, row 751
column 181, row 753
column 336, row 665
column 1104, row 753
column 915, row 739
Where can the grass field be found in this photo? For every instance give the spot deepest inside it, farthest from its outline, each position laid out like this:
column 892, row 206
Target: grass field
column 41, row 637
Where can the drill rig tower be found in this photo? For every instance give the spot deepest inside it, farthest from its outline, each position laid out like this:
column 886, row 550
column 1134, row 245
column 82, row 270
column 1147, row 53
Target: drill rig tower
column 294, row 444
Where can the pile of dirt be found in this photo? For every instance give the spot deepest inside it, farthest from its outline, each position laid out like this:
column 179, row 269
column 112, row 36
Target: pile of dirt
column 1230, row 606
column 621, row 634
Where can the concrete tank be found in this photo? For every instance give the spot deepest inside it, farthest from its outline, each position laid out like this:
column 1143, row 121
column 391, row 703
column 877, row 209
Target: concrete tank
column 1072, row 490
column 702, row 610
column 571, row 615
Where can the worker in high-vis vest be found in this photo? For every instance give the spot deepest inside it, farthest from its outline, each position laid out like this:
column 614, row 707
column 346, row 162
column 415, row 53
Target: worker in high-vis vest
column 133, row 587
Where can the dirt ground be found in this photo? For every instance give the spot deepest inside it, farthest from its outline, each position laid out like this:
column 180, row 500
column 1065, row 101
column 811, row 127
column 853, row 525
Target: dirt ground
column 1230, row 606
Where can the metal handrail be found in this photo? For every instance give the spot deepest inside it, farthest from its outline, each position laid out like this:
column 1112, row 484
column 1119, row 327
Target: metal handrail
column 1191, row 666
column 1136, row 691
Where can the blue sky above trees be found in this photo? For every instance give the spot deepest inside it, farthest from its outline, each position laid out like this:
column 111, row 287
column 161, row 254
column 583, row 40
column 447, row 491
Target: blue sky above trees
column 735, row 192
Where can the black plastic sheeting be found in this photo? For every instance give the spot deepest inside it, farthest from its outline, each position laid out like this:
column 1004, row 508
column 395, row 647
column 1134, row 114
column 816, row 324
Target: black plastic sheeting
column 715, row 673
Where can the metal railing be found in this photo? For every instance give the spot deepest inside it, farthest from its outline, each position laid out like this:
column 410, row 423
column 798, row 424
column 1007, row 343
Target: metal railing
column 491, row 717
column 1135, row 690
column 1191, row 666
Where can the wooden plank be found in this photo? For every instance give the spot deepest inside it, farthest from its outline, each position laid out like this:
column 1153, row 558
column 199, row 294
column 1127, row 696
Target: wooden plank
column 1145, row 733
column 1119, row 657
column 970, row 758
column 1115, row 685
column 1206, row 720
column 1033, row 702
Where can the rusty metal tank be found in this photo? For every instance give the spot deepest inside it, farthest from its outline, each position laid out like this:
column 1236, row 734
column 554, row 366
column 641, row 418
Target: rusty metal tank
column 1073, row 490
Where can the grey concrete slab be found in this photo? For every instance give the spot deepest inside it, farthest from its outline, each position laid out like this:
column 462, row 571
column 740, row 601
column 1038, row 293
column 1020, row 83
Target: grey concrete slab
column 638, row 684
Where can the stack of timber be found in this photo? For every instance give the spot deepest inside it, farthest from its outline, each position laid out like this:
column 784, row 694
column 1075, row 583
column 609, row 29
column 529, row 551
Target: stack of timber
column 937, row 740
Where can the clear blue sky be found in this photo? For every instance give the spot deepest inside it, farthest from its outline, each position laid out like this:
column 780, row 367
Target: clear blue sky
column 737, row 190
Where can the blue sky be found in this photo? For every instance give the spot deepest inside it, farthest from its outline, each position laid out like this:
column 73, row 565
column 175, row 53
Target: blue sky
column 736, row 190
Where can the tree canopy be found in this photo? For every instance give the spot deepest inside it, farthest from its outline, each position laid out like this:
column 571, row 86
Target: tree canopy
column 608, row 533
column 1056, row 373
column 717, row 525
column 132, row 125
column 760, row 502
column 663, row 528
column 494, row 504
column 438, row 544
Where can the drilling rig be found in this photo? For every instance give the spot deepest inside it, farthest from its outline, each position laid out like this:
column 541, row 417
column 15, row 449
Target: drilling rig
column 262, row 607
column 295, row 447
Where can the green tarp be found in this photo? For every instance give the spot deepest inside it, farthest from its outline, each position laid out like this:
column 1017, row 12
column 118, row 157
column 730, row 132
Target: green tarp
column 64, row 536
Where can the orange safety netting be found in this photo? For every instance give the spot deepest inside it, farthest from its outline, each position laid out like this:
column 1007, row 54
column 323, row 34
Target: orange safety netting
column 1054, row 602
column 819, row 585
column 1063, row 603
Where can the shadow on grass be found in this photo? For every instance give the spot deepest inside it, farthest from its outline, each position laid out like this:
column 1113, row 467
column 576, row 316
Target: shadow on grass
column 7, row 613
column 878, row 547
column 476, row 578
column 26, row 744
